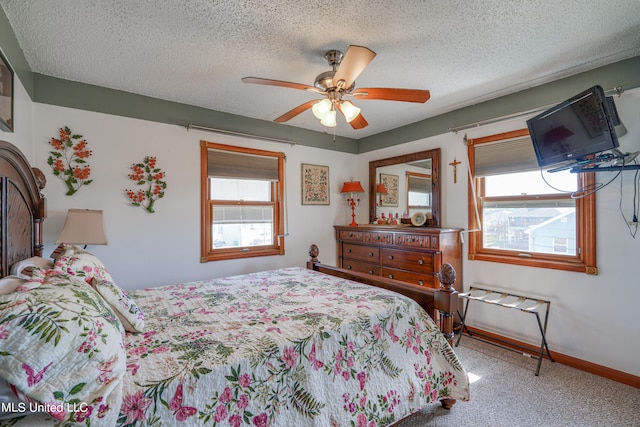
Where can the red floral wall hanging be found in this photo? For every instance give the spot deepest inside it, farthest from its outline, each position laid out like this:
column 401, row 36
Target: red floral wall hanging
column 152, row 178
column 68, row 160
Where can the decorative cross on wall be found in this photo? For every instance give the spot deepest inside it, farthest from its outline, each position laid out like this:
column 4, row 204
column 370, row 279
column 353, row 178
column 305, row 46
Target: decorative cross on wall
column 455, row 164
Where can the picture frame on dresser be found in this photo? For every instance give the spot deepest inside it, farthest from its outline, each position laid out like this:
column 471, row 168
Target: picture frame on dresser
column 6, row 95
column 315, row 185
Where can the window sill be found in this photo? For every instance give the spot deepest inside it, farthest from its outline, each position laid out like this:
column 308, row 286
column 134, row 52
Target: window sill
column 223, row 254
column 554, row 264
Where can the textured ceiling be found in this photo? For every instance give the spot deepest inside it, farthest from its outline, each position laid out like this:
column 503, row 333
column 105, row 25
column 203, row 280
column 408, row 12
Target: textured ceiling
column 196, row 51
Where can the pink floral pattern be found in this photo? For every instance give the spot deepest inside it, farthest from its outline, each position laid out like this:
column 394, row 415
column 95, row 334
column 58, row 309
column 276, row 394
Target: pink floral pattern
column 282, row 348
column 80, row 263
column 62, row 349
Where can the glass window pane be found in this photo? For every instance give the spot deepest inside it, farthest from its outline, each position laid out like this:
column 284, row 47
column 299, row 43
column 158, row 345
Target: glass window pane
column 545, row 226
column 527, row 183
column 236, row 226
column 240, row 189
column 418, row 199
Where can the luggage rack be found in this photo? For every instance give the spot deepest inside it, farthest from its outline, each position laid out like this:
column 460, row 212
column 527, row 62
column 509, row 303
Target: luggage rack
column 513, row 301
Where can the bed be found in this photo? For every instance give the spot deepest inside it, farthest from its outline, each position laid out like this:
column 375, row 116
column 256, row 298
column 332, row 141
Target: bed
column 308, row 346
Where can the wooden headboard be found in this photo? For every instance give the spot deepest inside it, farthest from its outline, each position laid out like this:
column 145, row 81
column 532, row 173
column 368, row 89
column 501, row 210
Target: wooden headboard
column 22, row 208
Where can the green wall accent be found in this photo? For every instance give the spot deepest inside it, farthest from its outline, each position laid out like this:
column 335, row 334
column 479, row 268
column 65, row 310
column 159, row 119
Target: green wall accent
column 625, row 74
column 55, row 91
column 13, row 54
column 66, row 93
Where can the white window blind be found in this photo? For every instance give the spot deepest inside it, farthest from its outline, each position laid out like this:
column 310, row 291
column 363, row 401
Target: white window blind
column 419, row 184
column 506, row 156
column 226, row 164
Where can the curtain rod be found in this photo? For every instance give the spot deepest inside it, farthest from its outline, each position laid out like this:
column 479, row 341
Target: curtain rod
column 615, row 91
column 233, row 133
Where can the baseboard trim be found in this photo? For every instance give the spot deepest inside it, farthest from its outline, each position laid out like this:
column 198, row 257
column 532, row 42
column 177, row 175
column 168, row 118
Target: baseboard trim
column 583, row 365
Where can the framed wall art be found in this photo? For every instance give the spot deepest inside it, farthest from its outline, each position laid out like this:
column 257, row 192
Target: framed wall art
column 391, row 184
column 315, row 185
column 6, row 95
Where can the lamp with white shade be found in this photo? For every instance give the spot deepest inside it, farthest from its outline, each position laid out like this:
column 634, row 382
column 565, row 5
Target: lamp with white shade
column 83, row 227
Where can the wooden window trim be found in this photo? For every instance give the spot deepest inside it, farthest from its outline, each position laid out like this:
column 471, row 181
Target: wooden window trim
column 206, row 253
column 585, row 259
column 419, row 175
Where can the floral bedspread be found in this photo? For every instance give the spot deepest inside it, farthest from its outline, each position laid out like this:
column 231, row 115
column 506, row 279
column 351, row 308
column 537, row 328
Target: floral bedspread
column 284, row 348
column 289, row 347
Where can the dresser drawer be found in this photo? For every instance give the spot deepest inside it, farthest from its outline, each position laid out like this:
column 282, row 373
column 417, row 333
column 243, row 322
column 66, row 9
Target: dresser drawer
column 361, row 267
column 375, row 237
column 351, row 235
column 419, row 262
column 413, row 240
column 426, row 279
column 364, row 253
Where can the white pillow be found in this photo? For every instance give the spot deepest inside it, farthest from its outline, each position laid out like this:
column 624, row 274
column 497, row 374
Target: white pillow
column 9, row 284
column 24, row 268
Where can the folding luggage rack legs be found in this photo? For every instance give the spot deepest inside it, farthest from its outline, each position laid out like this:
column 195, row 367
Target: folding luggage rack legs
column 507, row 300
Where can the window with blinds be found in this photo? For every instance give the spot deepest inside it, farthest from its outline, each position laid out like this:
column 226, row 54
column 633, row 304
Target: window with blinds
column 242, row 202
column 524, row 215
column 418, row 192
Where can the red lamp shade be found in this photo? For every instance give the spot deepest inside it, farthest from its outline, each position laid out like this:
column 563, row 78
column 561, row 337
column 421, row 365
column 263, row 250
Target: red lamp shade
column 381, row 189
column 352, row 187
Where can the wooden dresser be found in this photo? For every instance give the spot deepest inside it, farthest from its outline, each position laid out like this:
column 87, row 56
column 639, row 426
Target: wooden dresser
column 408, row 254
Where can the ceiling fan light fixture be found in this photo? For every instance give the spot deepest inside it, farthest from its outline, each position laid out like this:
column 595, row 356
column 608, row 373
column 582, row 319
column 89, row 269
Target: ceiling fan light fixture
column 321, row 108
column 329, row 119
column 349, row 110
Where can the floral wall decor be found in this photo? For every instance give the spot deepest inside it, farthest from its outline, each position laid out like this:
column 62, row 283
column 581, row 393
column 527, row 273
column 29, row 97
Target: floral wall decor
column 391, row 184
column 68, row 160
column 315, row 185
column 151, row 178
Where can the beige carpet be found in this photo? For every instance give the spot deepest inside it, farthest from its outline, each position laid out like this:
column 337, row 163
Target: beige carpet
column 509, row 394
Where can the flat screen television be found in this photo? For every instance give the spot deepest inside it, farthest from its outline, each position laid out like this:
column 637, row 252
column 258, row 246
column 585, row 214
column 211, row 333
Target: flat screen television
column 570, row 131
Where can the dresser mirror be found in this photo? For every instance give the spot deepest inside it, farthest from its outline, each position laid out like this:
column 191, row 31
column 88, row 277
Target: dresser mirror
column 412, row 182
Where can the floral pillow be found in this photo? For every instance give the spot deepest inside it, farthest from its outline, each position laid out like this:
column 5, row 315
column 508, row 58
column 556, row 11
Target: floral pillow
column 80, row 263
column 125, row 307
column 62, row 346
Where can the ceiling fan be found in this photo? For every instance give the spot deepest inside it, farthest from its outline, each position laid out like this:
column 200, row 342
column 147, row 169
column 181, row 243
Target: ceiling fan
column 339, row 82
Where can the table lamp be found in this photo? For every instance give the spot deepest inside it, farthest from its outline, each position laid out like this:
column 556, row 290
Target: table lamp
column 352, row 187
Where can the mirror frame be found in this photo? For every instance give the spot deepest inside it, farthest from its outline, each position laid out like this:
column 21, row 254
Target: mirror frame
column 433, row 154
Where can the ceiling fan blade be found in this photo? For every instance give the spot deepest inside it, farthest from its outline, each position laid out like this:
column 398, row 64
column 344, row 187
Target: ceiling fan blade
column 392, row 94
column 269, row 82
column 294, row 112
column 358, row 123
column 355, row 60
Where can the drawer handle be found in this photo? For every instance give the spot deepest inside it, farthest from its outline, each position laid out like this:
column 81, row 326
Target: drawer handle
column 370, row 253
column 420, row 262
column 349, row 251
column 370, row 271
column 349, row 267
column 390, row 256
column 420, row 282
column 391, row 276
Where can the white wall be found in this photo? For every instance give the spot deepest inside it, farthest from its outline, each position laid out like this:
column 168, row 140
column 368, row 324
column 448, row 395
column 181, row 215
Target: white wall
column 164, row 247
column 592, row 318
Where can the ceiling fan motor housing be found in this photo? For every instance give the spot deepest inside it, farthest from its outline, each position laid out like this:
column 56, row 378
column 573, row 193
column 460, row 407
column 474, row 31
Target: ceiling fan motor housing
column 334, row 57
